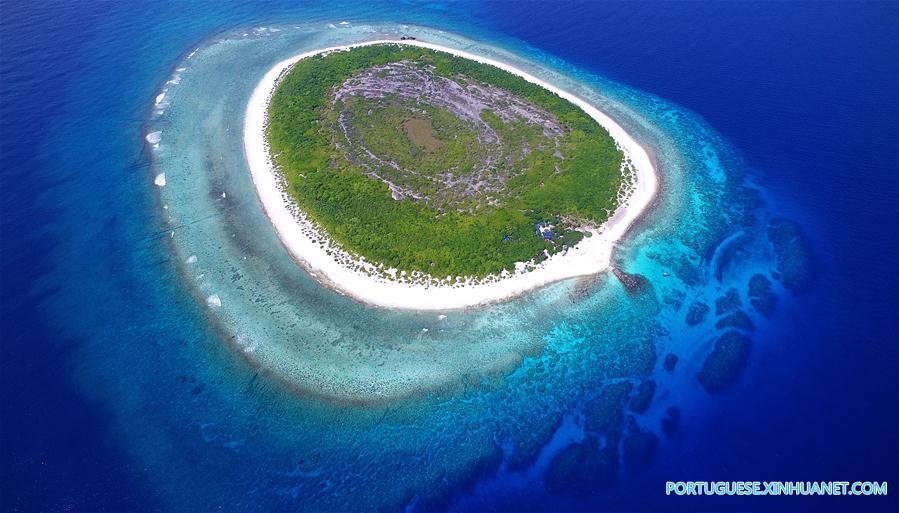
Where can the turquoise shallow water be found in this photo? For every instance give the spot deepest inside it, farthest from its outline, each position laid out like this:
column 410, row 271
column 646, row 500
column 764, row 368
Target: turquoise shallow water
column 423, row 384
column 124, row 390
column 278, row 317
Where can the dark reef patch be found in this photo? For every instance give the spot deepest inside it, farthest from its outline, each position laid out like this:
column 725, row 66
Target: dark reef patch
column 670, row 362
column 697, row 313
column 643, row 396
column 723, row 365
column 582, row 468
column 729, row 302
column 729, row 253
column 605, row 413
column 638, row 447
column 670, row 421
column 794, row 257
column 737, row 320
column 527, row 446
column 633, row 283
column 761, row 298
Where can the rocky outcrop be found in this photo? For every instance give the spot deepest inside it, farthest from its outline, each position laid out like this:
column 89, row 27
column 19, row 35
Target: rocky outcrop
column 633, row 283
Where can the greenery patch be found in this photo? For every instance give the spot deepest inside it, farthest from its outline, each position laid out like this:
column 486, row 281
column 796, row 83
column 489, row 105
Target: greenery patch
column 423, row 161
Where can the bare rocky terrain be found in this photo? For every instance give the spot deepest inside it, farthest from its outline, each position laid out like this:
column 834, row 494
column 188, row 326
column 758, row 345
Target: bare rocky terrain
column 504, row 130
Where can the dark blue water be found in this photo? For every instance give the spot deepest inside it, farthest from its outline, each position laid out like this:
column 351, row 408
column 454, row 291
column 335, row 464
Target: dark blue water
column 805, row 91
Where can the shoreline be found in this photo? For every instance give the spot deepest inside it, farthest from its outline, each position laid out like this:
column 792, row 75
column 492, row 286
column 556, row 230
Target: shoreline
column 354, row 277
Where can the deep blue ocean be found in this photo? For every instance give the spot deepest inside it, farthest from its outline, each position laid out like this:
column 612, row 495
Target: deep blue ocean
column 93, row 311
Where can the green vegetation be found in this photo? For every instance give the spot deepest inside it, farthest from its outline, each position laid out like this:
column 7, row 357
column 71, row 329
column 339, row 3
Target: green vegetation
column 418, row 184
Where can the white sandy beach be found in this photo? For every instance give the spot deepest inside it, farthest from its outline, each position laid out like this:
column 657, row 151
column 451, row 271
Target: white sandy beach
column 356, row 278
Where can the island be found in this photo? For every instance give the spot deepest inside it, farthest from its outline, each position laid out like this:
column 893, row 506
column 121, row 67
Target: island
column 410, row 175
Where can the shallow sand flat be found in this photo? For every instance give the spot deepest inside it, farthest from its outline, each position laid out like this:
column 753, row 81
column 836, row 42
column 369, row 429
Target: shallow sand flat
column 302, row 238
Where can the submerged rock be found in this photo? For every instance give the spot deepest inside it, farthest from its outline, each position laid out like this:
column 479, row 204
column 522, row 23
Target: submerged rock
column 633, row 283
column 761, row 297
column 723, row 365
column 670, row 421
column 687, row 271
column 729, row 302
column 758, row 286
column 670, row 362
column 764, row 306
column 638, row 447
column 643, row 396
column 738, row 320
column 730, row 253
column 527, row 444
column 605, row 412
column 565, row 471
column 584, row 467
column 794, row 257
column 697, row 313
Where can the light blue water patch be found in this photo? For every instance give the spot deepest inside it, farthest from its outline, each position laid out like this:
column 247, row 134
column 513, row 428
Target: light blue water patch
column 319, row 400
